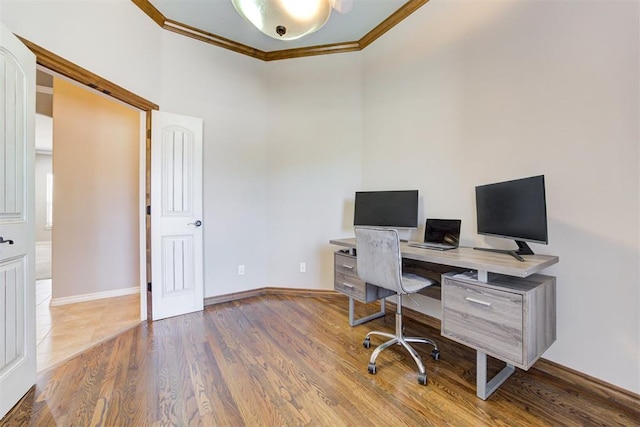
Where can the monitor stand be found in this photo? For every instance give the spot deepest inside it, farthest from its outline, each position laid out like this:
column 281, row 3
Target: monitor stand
column 404, row 234
column 523, row 249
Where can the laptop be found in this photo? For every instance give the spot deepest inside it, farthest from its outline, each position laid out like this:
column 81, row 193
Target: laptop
column 440, row 234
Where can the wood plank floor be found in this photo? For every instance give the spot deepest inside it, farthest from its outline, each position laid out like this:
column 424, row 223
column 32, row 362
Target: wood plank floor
column 289, row 361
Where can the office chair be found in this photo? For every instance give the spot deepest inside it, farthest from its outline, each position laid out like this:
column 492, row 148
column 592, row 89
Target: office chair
column 379, row 262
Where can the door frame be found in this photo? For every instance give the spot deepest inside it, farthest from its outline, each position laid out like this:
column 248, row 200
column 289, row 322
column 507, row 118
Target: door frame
column 85, row 77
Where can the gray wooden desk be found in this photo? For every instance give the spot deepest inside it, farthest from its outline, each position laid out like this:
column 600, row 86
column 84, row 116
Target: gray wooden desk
column 500, row 307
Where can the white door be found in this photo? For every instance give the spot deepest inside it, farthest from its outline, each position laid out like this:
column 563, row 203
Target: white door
column 17, row 271
column 176, row 215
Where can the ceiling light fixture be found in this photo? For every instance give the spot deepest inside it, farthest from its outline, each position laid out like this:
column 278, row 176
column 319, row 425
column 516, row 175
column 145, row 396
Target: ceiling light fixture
column 285, row 19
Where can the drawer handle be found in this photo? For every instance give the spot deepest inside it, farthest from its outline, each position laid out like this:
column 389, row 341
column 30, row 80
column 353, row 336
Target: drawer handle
column 477, row 301
column 350, row 267
column 347, row 285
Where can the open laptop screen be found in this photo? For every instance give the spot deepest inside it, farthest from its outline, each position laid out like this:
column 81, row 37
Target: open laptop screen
column 446, row 231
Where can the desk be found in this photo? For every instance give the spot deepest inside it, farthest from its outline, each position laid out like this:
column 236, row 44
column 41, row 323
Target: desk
column 469, row 258
column 501, row 307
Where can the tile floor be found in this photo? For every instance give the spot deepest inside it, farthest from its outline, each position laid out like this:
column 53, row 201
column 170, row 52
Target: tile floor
column 64, row 331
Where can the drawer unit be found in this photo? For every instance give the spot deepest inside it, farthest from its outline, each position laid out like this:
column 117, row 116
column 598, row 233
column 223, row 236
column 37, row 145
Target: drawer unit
column 484, row 318
column 508, row 318
column 346, row 280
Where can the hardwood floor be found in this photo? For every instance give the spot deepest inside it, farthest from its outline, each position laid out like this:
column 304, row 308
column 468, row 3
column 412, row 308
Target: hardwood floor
column 286, row 361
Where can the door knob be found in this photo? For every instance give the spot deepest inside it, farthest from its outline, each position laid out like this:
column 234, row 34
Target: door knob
column 6, row 241
column 198, row 223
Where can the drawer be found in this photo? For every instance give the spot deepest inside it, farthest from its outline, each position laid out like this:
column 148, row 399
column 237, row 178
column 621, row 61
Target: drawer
column 350, row 285
column 346, row 280
column 486, row 319
column 346, row 264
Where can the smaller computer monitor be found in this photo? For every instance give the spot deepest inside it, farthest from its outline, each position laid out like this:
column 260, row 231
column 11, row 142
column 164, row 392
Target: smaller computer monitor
column 394, row 209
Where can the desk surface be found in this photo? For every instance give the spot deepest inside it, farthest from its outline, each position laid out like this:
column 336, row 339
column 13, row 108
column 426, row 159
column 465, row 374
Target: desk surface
column 465, row 257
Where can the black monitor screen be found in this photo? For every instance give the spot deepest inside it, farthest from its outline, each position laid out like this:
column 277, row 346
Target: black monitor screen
column 514, row 209
column 387, row 208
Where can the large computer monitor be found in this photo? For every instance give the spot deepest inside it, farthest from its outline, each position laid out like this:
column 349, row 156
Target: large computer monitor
column 515, row 210
column 395, row 209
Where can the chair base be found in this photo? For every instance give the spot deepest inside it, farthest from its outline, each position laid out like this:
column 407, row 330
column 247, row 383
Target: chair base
column 400, row 339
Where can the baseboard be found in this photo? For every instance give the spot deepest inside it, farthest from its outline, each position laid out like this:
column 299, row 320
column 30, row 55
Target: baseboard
column 301, row 292
column 598, row 387
column 601, row 388
column 269, row 291
column 94, row 296
column 234, row 296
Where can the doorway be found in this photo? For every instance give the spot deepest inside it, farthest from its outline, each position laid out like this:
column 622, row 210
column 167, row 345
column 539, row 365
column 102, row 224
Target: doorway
column 96, row 206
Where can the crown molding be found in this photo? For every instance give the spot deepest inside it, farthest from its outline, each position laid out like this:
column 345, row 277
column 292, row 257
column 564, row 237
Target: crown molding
column 68, row 69
column 394, row 19
column 195, row 33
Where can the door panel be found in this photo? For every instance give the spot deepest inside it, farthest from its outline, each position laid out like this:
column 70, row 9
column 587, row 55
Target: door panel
column 176, row 215
column 17, row 271
column 177, row 277
column 177, row 171
column 12, row 280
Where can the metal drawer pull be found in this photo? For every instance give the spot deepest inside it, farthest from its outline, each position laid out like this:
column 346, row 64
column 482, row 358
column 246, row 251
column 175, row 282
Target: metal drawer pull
column 6, row 241
column 345, row 284
column 350, row 267
column 477, row 301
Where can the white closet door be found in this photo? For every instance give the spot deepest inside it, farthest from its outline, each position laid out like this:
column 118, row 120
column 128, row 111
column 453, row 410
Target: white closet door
column 17, row 242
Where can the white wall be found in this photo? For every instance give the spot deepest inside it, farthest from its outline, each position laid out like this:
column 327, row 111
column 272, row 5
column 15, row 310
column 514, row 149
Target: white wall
column 227, row 91
column 96, row 213
column 490, row 91
column 313, row 156
column 44, row 129
column 43, row 167
column 44, row 146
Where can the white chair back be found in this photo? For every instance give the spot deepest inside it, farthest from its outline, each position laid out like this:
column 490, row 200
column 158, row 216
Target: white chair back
column 379, row 258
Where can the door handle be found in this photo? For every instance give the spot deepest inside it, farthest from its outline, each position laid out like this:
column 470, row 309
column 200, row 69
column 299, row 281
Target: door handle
column 6, row 241
column 477, row 301
column 198, row 223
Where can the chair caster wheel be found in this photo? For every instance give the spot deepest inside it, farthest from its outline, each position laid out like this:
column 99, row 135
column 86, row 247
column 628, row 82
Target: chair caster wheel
column 435, row 354
column 422, row 379
column 372, row 368
column 366, row 343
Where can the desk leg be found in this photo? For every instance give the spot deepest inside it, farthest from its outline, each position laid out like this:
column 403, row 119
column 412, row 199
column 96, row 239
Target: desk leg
column 483, row 276
column 354, row 322
column 485, row 389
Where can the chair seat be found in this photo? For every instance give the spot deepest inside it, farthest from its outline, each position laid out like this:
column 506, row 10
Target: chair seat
column 412, row 283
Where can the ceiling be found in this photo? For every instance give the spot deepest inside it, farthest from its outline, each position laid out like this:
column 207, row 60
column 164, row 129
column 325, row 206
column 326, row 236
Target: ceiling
column 217, row 22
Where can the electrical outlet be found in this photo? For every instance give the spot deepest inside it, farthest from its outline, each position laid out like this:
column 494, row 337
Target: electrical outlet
column 240, row 269
column 303, row 267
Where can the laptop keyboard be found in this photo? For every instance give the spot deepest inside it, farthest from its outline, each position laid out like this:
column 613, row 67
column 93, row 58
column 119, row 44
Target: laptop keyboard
column 440, row 246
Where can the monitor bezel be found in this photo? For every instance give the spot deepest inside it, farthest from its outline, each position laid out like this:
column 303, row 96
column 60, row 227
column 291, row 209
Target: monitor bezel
column 517, row 238
column 399, row 227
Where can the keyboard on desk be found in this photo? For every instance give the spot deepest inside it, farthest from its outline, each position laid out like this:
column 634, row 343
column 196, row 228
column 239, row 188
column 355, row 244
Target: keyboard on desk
column 436, row 246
